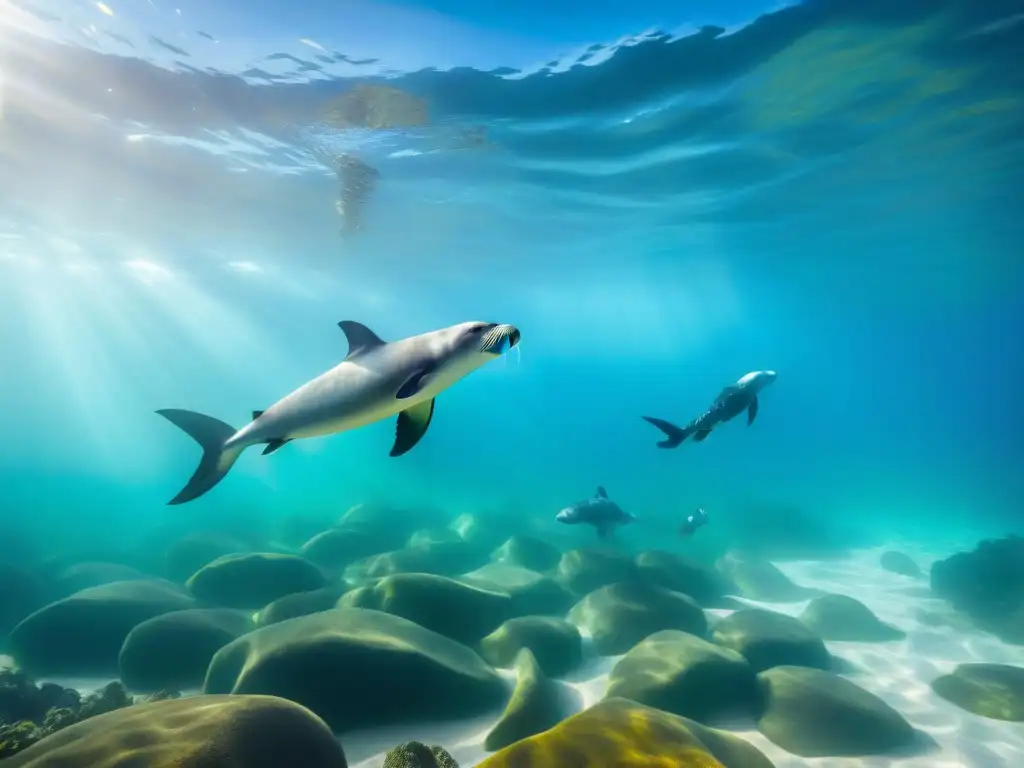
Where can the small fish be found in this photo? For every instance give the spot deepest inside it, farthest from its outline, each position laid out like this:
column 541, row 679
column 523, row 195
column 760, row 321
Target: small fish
column 600, row 512
column 697, row 520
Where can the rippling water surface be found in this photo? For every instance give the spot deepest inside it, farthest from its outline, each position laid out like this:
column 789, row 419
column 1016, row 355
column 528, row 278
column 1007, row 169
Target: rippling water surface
column 833, row 185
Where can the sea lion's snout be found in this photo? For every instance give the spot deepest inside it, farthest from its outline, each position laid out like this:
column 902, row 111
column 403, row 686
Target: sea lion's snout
column 500, row 339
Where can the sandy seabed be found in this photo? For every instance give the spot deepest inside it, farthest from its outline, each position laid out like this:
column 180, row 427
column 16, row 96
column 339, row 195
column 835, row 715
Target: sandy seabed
column 899, row 672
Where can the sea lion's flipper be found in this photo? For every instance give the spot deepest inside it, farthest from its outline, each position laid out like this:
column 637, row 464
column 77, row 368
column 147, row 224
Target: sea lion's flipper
column 212, row 436
column 414, row 383
column 601, row 492
column 700, row 435
column 360, row 338
column 273, row 445
column 411, row 426
column 752, row 411
column 603, row 530
column 675, row 434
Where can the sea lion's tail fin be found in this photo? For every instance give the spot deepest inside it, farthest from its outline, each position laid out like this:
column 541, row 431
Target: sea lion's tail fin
column 211, row 434
column 675, row 434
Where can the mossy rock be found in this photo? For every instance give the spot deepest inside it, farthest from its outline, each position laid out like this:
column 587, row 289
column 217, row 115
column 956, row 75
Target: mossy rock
column 897, row 562
column 767, row 639
column 679, row 574
column 527, row 552
column 995, row 691
column 534, row 707
column 582, row 571
column 838, row 617
column 458, row 611
column 760, row 580
column 624, row 734
column 532, row 593
column 619, row 616
column 812, row 713
column 338, row 548
column 301, row 604
column 478, row 530
column 75, row 578
column 172, row 651
column 359, row 669
column 187, row 555
column 556, row 644
column 415, row 754
column 82, row 635
column 683, row 674
column 21, row 593
column 441, row 559
column 254, row 580
column 426, row 537
column 240, row 731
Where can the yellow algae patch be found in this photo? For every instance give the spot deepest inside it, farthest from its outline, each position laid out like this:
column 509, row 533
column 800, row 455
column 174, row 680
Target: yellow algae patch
column 625, row 734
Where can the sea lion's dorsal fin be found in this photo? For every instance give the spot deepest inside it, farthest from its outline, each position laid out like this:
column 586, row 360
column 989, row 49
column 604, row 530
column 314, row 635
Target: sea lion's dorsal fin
column 601, row 492
column 256, row 415
column 360, row 338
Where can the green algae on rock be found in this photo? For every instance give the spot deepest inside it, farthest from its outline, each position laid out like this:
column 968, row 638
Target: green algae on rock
column 451, row 608
column 240, row 731
column 535, row 705
column 440, row 558
column 619, row 616
column 582, row 571
column 340, row 547
column 359, row 668
column 760, row 580
column 254, row 580
column 995, row 691
column 527, row 552
column 301, row 604
column 187, row 555
column 683, row 674
column 532, row 593
column 838, row 617
column 174, row 650
column 555, row 644
column 812, row 713
column 624, row 734
column 768, row 639
column 415, row 754
column 680, row 574
column 82, row 635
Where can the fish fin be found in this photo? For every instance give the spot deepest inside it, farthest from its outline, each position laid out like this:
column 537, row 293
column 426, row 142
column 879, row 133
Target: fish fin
column 674, row 433
column 602, row 492
column 414, row 383
column 273, row 445
column 752, row 411
column 412, row 425
column 360, row 338
column 701, row 435
column 211, row 434
column 256, row 415
column 604, row 531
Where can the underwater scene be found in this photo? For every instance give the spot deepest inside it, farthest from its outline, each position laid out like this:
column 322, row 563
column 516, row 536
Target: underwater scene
column 436, row 384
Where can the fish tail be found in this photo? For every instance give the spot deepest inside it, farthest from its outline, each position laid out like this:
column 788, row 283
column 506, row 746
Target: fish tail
column 212, row 436
column 675, row 435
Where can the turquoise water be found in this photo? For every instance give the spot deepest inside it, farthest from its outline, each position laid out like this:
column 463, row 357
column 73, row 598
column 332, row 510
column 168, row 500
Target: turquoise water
column 825, row 190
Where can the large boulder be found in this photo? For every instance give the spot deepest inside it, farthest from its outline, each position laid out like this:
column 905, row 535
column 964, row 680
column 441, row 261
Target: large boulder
column 339, row 547
column 21, row 592
column 812, row 713
column 582, row 571
column 679, row 574
column 440, row 558
column 534, row 707
column 760, row 580
column 235, row 731
column 453, row 609
column 527, row 552
column 995, row 691
column 172, row 651
column 680, row 673
column 838, row 617
column 82, row 634
column 359, row 669
column 556, row 644
column 619, row 616
column 253, row 580
column 532, row 593
column 190, row 553
column 624, row 734
column 74, row 578
column 767, row 639
column 301, row 604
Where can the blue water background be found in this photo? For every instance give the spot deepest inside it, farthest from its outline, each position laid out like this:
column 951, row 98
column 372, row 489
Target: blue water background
column 830, row 190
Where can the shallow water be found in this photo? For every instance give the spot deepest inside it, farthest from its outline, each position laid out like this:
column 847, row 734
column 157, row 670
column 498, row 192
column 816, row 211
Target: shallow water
column 659, row 200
